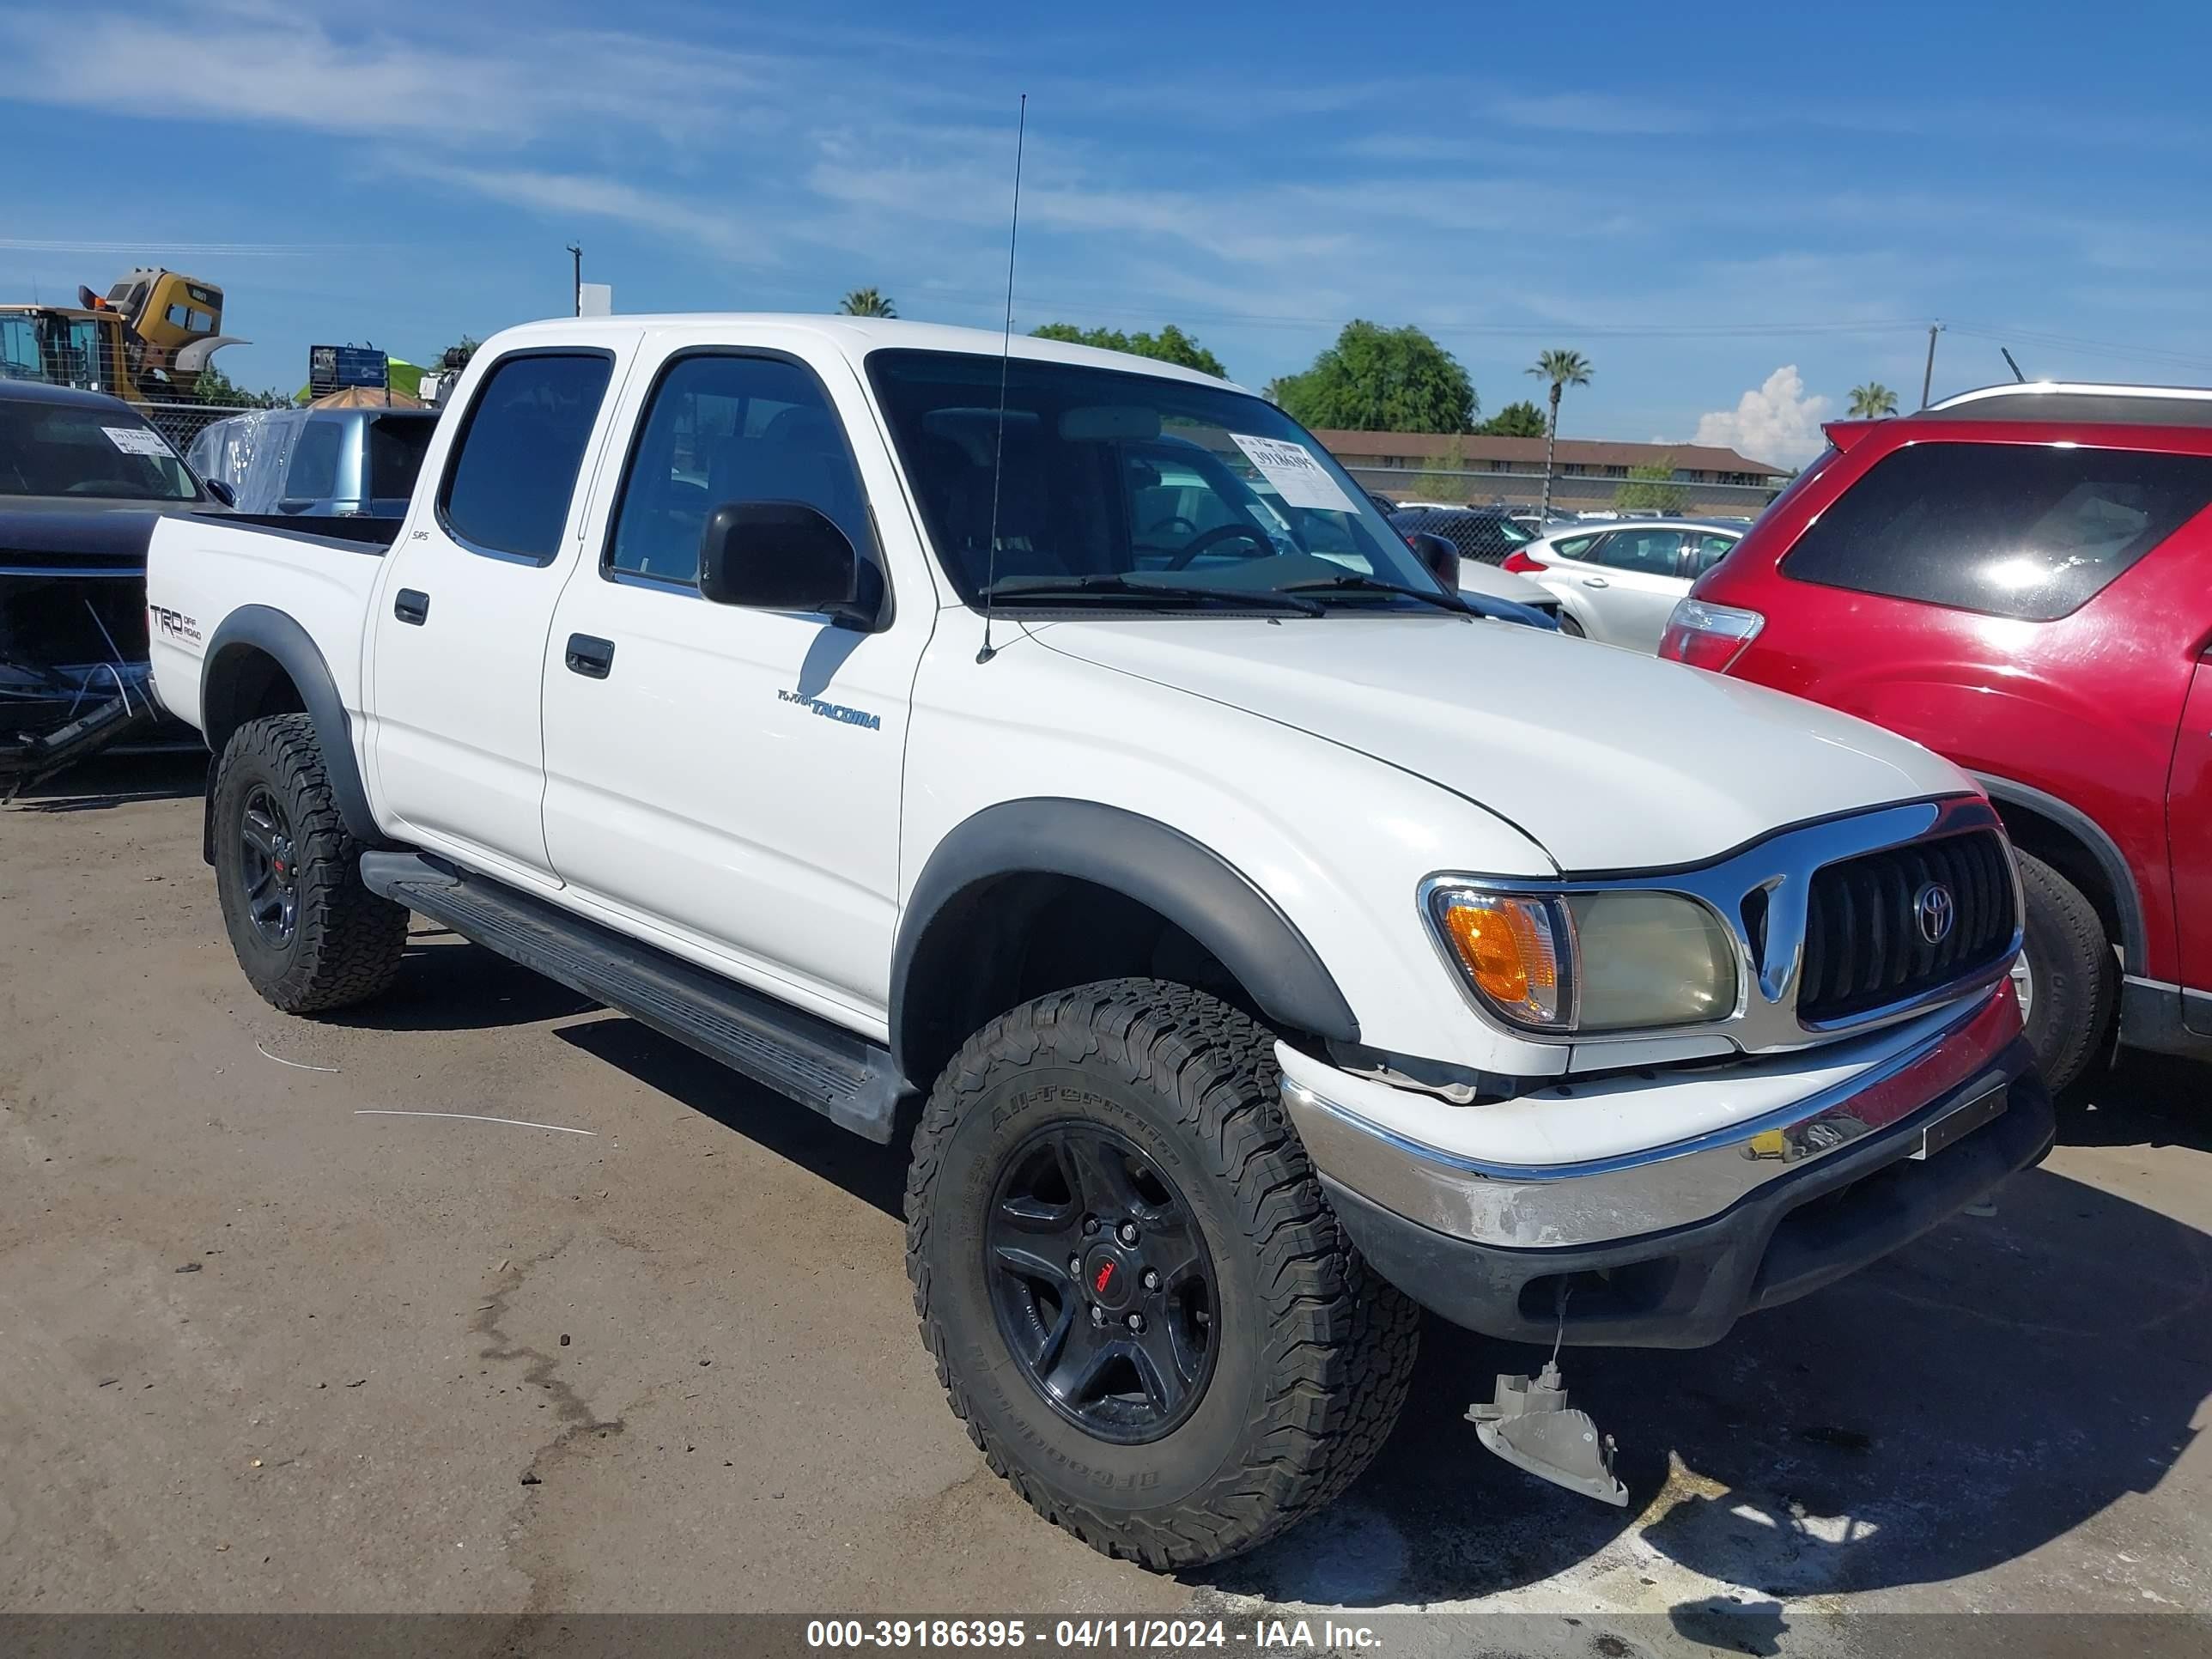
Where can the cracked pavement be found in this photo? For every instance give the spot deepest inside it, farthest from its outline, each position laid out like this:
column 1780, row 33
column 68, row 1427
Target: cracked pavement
column 260, row 1351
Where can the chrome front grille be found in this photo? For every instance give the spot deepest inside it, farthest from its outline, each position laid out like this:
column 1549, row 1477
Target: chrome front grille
column 1867, row 923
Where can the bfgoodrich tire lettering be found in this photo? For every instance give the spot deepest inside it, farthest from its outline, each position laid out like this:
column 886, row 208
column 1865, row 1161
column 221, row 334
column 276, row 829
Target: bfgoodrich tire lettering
column 1313, row 1353
column 2073, row 971
column 343, row 944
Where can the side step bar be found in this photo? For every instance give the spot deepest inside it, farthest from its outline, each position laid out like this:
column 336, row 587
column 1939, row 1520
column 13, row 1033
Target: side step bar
column 844, row 1077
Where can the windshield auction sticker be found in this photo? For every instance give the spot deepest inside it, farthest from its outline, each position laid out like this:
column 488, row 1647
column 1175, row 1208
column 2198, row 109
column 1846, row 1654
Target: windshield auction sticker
column 1299, row 479
column 137, row 441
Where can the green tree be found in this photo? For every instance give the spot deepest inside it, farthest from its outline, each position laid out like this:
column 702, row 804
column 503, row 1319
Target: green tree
column 1652, row 489
column 1169, row 345
column 1559, row 369
column 1381, row 380
column 867, row 302
column 1872, row 401
column 1521, row 420
column 1443, row 477
column 213, row 386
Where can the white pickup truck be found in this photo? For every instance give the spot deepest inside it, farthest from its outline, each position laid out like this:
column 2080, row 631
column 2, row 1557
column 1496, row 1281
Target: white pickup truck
column 1051, row 757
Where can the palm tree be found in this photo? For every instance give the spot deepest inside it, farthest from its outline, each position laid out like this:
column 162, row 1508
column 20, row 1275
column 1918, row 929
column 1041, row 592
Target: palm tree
column 867, row 302
column 1562, row 369
column 1872, row 401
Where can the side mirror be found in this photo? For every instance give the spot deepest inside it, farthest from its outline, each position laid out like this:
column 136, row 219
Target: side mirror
column 222, row 491
column 1441, row 557
column 782, row 555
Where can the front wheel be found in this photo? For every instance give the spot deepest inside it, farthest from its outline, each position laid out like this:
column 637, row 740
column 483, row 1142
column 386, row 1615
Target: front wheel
column 1138, row 1298
column 2065, row 978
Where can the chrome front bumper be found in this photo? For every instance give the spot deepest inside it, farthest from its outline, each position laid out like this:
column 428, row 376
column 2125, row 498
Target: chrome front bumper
column 1669, row 1248
column 1909, row 1099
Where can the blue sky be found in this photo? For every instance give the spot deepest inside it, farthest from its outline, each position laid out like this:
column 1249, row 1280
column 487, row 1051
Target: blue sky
column 1736, row 213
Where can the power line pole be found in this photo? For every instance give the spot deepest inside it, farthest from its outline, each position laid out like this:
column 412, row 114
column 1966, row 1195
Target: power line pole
column 1928, row 378
column 576, row 255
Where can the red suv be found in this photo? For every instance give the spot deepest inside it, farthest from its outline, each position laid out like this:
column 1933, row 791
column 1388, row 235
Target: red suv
column 2020, row 579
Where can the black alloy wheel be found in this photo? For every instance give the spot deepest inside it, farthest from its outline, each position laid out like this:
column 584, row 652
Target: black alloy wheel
column 1101, row 1283
column 1136, row 1294
column 269, row 867
column 308, row 934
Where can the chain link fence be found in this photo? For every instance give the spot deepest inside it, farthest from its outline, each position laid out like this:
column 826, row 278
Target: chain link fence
column 182, row 422
column 1572, row 492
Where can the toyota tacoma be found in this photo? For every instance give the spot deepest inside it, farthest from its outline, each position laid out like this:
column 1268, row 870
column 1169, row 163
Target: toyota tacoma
column 1055, row 761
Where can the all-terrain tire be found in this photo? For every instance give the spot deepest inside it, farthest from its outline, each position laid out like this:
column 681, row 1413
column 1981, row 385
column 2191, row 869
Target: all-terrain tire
column 345, row 942
column 2071, row 973
column 1314, row 1352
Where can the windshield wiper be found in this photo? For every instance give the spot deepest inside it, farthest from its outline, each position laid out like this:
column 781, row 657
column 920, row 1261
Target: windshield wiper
column 1111, row 586
column 1353, row 582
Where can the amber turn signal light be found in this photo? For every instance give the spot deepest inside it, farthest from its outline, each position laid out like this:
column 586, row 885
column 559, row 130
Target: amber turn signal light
column 1513, row 949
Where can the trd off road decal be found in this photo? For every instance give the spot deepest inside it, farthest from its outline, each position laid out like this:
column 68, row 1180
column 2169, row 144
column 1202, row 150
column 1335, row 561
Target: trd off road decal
column 174, row 624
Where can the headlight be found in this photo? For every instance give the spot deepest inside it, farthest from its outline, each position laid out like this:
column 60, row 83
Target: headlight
column 1615, row 960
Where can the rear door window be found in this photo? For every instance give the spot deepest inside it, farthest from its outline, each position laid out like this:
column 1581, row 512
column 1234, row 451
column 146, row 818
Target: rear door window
column 514, row 471
column 313, row 475
column 1647, row 552
column 396, row 448
column 2031, row 531
column 1705, row 552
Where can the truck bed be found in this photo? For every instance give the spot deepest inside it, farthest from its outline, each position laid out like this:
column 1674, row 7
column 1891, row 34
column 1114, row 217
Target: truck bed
column 363, row 534
column 202, row 571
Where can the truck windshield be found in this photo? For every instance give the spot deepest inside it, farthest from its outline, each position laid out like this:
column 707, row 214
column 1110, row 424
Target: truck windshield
column 70, row 449
column 1124, row 488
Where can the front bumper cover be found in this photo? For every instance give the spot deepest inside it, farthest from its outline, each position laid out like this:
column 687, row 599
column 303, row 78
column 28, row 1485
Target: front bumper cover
column 1668, row 1248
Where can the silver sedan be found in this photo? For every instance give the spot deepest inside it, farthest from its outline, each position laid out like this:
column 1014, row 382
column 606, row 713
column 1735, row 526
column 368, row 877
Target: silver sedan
column 1618, row 581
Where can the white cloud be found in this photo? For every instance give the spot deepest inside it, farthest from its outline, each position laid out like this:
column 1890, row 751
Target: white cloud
column 455, row 81
column 1776, row 422
column 1599, row 116
column 1237, row 227
column 568, row 193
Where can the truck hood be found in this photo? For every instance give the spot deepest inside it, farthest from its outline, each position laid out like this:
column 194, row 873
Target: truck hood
column 1608, row 759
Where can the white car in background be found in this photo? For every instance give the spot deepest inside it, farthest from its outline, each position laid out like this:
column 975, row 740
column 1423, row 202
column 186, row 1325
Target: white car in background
column 1618, row 582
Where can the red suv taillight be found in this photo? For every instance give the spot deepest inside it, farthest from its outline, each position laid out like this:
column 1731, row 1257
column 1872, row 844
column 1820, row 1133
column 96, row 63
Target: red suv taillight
column 1520, row 563
column 1708, row 635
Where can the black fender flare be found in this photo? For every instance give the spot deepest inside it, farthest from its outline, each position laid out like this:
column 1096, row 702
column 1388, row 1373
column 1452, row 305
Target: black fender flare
column 259, row 628
column 1153, row 863
column 2127, row 897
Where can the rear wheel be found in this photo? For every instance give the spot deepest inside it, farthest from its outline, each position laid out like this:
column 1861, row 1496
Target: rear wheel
column 2067, row 980
column 1569, row 625
column 309, row 936
column 1136, row 1296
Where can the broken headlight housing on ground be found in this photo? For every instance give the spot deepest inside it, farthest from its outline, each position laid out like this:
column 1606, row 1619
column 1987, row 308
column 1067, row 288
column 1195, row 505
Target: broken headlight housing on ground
column 1592, row 962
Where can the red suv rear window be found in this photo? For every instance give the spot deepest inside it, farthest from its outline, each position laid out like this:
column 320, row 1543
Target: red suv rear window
column 2027, row 530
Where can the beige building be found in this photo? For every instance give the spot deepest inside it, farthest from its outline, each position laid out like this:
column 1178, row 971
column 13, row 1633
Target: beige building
column 1587, row 473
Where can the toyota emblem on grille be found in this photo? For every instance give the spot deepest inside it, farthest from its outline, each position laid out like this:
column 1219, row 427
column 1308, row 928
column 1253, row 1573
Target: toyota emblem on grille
column 1935, row 911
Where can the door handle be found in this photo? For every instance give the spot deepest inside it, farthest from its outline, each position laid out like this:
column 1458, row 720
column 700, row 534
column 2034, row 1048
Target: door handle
column 594, row 659
column 412, row 605
column 1596, row 582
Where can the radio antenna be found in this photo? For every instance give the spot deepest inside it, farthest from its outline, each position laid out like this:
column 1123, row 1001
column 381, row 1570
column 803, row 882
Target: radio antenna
column 1005, row 352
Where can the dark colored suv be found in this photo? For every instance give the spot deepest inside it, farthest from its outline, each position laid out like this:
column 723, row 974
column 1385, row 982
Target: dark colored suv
column 2020, row 579
column 1484, row 534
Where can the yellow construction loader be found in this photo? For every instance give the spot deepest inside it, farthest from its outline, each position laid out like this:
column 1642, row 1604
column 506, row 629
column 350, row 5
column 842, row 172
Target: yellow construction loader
column 146, row 340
